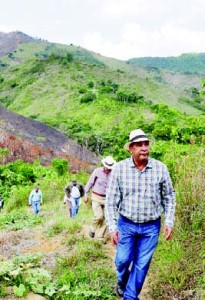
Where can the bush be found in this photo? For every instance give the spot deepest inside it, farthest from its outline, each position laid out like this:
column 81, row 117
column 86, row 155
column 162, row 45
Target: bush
column 127, row 96
column 18, row 197
column 88, row 97
column 60, row 165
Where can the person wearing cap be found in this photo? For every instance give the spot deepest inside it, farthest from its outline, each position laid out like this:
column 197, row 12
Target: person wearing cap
column 139, row 191
column 98, row 184
column 73, row 192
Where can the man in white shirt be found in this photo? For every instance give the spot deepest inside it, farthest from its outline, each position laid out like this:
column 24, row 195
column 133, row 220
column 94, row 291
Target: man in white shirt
column 36, row 199
column 74, row 191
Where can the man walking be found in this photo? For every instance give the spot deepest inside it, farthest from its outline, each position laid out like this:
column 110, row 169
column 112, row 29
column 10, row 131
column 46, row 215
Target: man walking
column 139, row 191
column 74, row 191
column 36, row 199
column 98, row 183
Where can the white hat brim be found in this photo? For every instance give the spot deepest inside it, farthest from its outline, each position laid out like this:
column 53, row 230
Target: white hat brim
column 127, row 145
column 108, row 166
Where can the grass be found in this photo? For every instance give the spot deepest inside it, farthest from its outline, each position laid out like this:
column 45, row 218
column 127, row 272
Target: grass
column 178, row 265
column 87, row 275
column 82, row 271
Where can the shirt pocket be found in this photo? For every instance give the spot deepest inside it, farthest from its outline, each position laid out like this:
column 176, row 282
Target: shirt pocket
column 153, row 192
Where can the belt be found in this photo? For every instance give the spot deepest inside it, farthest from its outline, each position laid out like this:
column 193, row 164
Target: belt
column 99, row 194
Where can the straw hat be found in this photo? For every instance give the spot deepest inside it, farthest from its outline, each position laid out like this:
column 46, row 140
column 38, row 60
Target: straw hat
column 136, row 135
column 108, row 162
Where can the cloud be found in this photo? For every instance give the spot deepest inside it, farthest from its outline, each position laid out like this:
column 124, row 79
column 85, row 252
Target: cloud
column 114, row 28
column 138, row 42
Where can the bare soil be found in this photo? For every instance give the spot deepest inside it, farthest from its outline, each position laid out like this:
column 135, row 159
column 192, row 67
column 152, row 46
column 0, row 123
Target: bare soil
column 33, row 240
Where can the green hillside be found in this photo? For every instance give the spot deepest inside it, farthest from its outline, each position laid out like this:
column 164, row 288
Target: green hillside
column 40, row 64
column 185, row 63
column 92, row 99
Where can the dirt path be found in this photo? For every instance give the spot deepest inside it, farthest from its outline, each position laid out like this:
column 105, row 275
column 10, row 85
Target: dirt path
column 110, row 250
column 30, row 241
column 33, row 240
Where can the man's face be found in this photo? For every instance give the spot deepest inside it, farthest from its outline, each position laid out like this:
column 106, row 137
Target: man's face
column 37, row 188
column 140, row 151
column 107, row 170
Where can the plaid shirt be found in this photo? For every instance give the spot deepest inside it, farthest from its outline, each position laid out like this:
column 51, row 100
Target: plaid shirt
column 140, row 196
column 98, row 181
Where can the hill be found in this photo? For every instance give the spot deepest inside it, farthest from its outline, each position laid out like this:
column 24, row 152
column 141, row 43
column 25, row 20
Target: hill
column 28, row 139
column 47, row 66
column 188, row 63
column 94, row 100
column 10, row 41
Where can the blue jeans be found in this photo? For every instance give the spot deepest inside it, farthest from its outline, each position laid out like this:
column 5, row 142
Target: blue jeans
column 135, row 248
column 75, row 206
column 36, row 207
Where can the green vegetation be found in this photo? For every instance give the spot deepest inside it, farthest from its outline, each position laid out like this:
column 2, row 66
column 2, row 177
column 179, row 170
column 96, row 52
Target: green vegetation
column 188, row 63
column 82, row 271
column 97, row 102
column 179, row 265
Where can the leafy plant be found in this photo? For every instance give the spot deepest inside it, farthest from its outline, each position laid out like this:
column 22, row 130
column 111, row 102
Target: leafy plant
column 60, row 165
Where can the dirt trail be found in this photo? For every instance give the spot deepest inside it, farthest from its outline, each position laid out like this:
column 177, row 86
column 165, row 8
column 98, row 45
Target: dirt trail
column 33, row 240
column 110, row 250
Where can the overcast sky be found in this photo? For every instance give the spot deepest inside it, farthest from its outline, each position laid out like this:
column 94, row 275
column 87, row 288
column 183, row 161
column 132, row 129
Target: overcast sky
column 115, row 28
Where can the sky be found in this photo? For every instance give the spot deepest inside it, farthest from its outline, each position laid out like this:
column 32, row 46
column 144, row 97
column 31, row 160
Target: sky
column 119, row 29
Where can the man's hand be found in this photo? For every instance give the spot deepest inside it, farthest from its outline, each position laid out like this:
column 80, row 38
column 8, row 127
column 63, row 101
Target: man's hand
column 167, row 232
column 114, row 238
column 86, row 199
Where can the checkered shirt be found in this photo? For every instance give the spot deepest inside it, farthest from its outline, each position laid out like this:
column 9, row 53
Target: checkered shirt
column 140, row 196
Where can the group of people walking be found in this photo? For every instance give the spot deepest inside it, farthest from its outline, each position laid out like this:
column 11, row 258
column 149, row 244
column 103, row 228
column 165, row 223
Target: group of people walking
column 97, row 183
column 128, row 198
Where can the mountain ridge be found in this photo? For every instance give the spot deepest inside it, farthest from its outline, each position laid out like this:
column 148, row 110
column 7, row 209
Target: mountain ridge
column 10, row 41
column 185, row 63
column 88, row 97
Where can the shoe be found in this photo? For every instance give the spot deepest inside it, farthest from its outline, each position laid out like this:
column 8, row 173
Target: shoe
column 119, row 290
column 91, row 234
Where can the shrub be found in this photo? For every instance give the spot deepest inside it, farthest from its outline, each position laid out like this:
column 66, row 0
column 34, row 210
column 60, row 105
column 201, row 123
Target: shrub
column 18, row 197
column 127, row 96
column 60, row 165
column 88, row 97
column 91, row 84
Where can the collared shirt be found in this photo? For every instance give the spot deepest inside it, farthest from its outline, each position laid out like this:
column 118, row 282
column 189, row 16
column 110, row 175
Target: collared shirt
column 98, row 182
column 140, row 196
column 35, row 196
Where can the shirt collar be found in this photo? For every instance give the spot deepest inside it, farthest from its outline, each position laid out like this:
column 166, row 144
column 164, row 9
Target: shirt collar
column 132, row 164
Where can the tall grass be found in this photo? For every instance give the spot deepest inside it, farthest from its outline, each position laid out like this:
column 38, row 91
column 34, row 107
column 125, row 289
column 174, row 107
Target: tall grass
column 179, row 265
